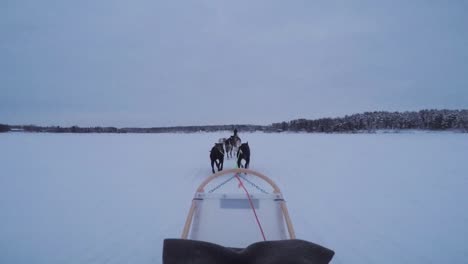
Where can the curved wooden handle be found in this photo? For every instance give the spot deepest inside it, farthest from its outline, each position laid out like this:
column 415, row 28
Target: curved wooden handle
column 275, row 187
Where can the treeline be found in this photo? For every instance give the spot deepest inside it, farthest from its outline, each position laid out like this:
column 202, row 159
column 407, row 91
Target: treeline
column 194, row 129
column 4, row 128
column 365, row 122
column 372, row 121
column 175, row 129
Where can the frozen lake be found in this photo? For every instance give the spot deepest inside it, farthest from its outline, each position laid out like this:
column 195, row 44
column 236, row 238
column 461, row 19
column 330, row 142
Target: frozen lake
column 113, row 198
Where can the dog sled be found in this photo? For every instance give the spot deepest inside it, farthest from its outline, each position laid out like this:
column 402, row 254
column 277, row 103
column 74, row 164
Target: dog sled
column 233, row 218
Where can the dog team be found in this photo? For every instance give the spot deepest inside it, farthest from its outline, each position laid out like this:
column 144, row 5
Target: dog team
column 228, row 146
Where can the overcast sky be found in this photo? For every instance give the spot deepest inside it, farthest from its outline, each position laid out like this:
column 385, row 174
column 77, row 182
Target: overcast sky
column 159, row 63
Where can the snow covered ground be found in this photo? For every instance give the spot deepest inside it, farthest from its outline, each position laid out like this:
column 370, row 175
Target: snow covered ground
column 113, row 198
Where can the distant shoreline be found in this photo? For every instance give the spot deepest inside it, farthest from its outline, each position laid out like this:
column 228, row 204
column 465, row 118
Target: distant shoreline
column 382, row 132
column 368, row 122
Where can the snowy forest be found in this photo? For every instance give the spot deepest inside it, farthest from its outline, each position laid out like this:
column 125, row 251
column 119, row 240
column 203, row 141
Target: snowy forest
column 372, row 121
column 364, row 122
column 4, row 128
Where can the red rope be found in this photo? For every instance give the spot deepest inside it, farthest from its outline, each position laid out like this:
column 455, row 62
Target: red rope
column 252, row 206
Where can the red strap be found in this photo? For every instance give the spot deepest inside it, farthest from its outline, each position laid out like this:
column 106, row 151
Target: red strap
column 252, row 206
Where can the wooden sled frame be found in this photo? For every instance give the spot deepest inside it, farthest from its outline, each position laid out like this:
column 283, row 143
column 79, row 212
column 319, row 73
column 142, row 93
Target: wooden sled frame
column 275, row 187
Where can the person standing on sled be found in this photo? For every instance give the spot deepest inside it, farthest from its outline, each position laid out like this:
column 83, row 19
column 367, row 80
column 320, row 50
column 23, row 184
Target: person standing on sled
column 235, row 137
column 235, row 142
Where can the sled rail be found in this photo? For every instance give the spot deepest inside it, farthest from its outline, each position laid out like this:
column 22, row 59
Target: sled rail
column 201, row 189
column 275, row 187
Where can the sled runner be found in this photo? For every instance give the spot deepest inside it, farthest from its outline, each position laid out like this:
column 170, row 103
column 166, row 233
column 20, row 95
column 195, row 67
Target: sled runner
column 238, row 221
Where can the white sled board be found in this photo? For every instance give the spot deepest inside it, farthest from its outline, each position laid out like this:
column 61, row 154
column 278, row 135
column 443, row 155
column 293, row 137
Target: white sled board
column 228, row 219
